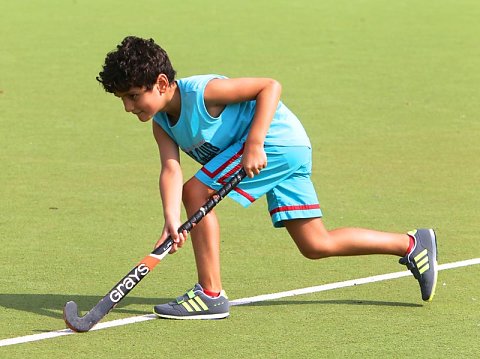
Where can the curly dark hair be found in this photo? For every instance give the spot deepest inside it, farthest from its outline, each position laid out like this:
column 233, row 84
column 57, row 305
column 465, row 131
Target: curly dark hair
column 136, row 62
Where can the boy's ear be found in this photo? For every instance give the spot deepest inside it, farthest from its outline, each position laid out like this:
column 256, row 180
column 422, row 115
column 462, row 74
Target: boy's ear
column 162, row 83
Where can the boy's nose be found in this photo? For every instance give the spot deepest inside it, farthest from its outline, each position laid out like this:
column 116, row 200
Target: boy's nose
column 127, row 105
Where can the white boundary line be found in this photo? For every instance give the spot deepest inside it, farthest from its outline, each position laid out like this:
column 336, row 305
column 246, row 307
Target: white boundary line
column 258, row 298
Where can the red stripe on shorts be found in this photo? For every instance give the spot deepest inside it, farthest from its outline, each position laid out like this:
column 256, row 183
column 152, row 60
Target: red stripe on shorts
column 222, row 180
column 222, row 167
column 305, row 207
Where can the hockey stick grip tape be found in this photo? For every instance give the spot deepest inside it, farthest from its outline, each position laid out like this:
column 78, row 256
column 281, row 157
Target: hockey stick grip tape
column 204, row 210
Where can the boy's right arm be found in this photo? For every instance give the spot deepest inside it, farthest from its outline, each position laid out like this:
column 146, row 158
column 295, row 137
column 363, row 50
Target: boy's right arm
column 171, row 185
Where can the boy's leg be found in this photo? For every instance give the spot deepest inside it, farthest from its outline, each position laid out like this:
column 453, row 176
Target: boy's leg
column 200, row 302
column 314, row 241
column 417, row 249
column 205, row 236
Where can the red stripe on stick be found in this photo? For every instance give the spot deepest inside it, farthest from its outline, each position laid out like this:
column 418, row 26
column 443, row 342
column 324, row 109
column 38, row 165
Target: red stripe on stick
column 150, row 262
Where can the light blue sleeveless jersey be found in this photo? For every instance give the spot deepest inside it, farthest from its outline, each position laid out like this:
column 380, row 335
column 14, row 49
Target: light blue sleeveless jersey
column 202, row 136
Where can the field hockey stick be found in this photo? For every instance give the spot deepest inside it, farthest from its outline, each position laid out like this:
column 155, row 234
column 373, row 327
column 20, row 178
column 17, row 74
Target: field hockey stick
column 122, row 288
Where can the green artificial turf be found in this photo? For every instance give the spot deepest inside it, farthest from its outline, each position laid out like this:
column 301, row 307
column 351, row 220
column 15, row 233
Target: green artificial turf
column 388, row 92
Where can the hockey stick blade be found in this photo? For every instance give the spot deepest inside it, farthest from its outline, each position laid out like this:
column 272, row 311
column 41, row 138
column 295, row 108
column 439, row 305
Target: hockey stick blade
column 124, row 286
column 77, row 323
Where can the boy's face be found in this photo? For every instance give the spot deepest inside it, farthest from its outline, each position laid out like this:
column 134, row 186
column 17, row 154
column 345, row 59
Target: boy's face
column 142, row 102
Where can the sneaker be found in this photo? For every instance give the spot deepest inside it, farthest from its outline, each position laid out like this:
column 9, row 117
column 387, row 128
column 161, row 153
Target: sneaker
column 422, row 261
column 195, row 304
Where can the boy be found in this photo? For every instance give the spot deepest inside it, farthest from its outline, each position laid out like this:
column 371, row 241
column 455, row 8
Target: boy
column 225, row 124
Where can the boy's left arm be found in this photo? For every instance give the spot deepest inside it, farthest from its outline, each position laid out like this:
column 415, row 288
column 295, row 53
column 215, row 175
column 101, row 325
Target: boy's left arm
column 266, row 92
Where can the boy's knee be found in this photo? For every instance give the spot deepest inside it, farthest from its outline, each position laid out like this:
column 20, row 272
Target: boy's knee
column 316, row 249
column 311, row 238
column 194, row 192
column 314, row 253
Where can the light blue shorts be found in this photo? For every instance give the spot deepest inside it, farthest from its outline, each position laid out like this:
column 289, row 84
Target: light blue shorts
column 286, row 181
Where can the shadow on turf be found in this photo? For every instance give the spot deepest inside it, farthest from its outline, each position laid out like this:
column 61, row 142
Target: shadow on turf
column 335, row 301
column 51, row 305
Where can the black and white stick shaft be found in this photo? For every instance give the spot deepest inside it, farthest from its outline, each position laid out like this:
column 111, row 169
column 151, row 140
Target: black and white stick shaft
column 124, row 286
